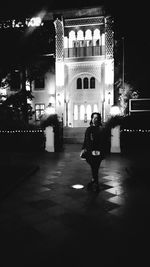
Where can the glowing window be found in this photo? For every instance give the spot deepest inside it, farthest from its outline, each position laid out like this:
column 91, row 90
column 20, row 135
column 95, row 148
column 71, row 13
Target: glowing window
column 82, row 112
column 88, row 35
column 75, row 112
column 95, row 108
column 92, row 82
column 79, row 83
column 103, row 39
column 85, row 83
column 80, row 35
column 89, row 112
column 96, row 37
column 39, row 110
column 72, row 38
column 96, row 34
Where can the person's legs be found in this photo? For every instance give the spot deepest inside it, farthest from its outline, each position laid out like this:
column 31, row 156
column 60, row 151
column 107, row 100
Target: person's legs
column 94, row 163
column 95, row 168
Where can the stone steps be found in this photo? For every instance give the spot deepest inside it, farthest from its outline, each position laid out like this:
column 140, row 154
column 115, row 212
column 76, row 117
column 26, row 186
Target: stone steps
column 73, row 135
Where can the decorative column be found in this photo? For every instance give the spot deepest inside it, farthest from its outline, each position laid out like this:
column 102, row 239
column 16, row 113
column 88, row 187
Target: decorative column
column 59, row 64
column 109, row 65
column 49, row 144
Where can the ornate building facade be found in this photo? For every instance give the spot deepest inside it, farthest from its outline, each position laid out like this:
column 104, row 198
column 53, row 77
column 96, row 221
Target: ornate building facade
column 82, row 80
column 84, row 65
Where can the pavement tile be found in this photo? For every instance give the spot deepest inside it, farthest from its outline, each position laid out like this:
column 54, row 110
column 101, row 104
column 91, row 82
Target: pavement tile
column 46, row 221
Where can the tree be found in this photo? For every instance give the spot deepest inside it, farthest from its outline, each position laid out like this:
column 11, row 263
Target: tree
column 24, row 47
column 124, row 89
column 124, row 94
column 13, row 107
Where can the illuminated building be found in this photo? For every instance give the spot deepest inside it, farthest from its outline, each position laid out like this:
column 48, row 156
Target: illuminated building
column 84, row 65
column 82, row 79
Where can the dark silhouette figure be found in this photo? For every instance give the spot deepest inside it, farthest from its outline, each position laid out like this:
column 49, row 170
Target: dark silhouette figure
column 95, row 147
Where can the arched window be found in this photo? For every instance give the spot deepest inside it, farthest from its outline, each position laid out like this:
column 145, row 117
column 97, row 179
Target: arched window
column 95, row 109
column 92, row 82
column 80, row 39
column 85, row 83
column 96, row 37
column 82, row 112
column 88, row 35
column 79, row 83
column 72, row 39
column 80, row 35
column 75, row 112
column 88, row 112
column 88, row 38
column 96, row 34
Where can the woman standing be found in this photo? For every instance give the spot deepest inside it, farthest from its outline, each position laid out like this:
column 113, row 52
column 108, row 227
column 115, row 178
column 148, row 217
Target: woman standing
column 94, row 148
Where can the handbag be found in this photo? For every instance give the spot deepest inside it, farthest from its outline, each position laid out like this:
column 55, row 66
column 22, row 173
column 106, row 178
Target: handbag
column 96, row 153
column 83, row 155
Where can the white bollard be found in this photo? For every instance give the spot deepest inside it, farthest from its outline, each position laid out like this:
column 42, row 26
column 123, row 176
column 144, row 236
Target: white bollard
column 115, row 140
column 49, row 145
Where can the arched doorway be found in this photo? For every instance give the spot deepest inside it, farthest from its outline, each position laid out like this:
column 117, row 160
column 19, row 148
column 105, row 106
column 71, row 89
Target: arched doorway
column 82, row 113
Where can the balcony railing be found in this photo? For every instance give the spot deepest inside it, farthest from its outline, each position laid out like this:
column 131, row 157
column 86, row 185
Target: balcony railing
column 84, row 51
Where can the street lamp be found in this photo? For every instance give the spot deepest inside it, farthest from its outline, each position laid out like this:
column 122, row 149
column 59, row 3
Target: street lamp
column 114, row 111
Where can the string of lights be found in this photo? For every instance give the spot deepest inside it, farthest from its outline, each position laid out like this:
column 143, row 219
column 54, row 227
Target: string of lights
column 21, row 131
column 23, row 23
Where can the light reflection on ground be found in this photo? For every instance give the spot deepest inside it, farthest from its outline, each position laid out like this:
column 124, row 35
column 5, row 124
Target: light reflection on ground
column 77, row 186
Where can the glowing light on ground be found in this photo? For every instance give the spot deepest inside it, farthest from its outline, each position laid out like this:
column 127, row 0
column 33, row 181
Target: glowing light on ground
column 77, row 186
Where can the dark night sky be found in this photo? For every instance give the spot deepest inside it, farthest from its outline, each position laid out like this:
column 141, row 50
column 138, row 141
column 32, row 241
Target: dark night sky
column 131, row 21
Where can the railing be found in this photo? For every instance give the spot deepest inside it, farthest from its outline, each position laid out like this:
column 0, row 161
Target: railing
column 84, row 51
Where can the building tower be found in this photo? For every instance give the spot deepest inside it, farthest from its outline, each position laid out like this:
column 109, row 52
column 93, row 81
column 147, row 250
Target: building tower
column 84, row 65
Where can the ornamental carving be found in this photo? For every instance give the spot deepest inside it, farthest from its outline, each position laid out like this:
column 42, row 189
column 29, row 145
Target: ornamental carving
column 84, row 69
column 59, row 39
column 84, row 21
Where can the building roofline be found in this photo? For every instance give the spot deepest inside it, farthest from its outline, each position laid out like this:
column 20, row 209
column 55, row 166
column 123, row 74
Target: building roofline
column 76, row 12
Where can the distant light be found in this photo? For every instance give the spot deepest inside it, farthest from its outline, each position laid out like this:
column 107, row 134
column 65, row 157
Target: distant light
column 115, row 110
column 35, row 22
column 77, row 186
column 27, row 86
column 50, row 110
column 29, row 101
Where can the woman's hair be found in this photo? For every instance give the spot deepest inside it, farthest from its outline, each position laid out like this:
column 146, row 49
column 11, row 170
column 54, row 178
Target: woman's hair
column 99, row 118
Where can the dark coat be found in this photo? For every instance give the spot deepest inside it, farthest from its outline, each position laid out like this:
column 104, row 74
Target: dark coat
column 96, row 138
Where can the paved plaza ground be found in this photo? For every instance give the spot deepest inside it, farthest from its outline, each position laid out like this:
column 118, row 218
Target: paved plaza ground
column 44, row 221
